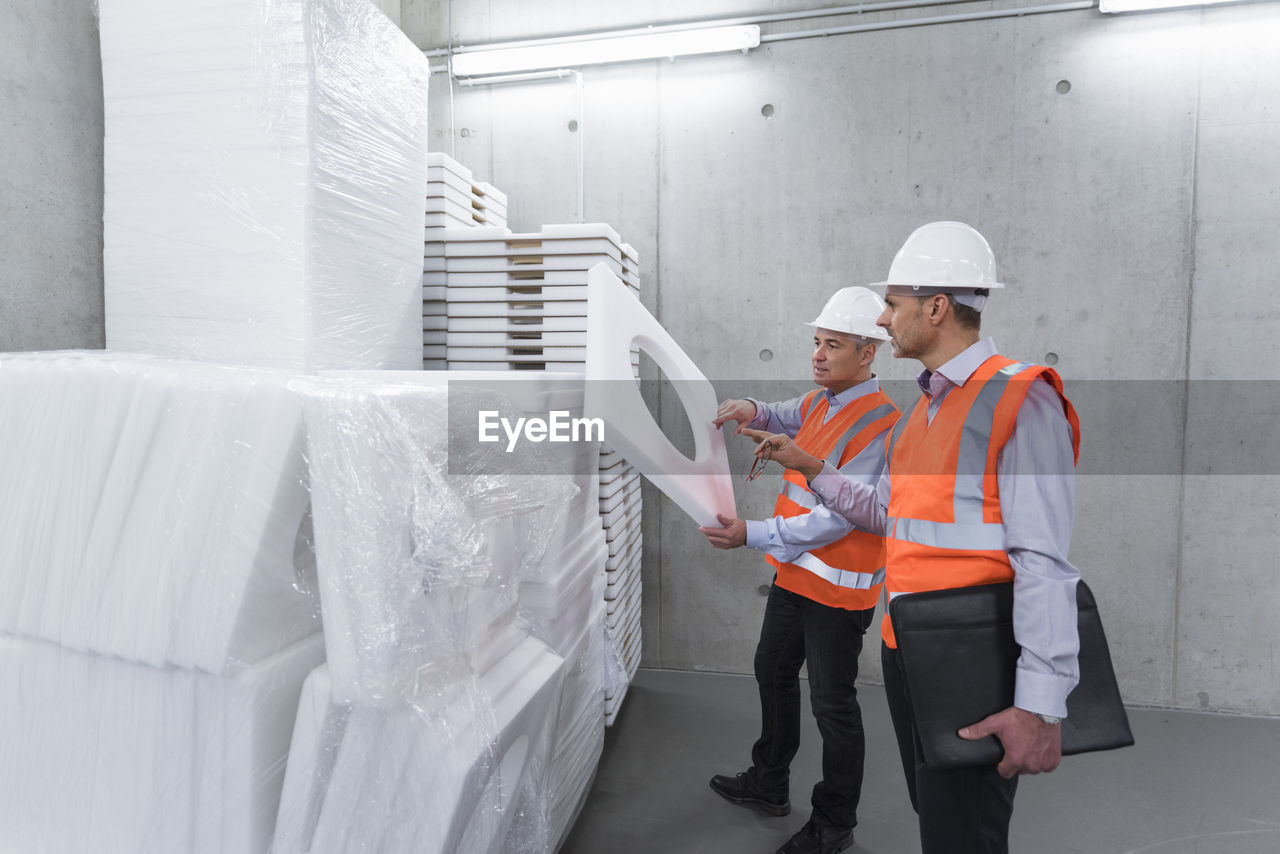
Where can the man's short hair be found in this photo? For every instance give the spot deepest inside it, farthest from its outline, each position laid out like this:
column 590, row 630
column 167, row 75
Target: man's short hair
column 967, row 317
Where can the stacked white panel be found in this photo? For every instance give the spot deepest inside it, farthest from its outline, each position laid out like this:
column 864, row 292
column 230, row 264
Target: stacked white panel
column 454, row 199
column 519, row 301
column 620, row 515
column 158, row 618
column 263, row 182
column 431, row 726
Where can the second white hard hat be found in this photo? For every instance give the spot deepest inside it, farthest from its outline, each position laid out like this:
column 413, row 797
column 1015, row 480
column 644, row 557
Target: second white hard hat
column 852, row 311
column 943, row 256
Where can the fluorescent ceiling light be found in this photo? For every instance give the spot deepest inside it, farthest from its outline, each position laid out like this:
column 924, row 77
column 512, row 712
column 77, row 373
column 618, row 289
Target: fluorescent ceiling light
column 603, row 48
column 1140, row 5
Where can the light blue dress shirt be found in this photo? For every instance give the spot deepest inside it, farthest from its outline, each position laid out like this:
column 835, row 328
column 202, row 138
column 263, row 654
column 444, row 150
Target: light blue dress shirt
column 785, row 539
column 1035, row 473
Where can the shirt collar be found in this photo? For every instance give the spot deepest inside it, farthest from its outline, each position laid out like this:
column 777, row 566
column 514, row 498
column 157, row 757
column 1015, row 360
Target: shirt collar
column 958, row 369
column 852, row 392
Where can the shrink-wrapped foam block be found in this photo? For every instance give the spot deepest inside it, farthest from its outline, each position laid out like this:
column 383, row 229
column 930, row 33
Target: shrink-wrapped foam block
column 152, row 509
column 430, row 727
column 114, row 757
column 265, row 169
column 440, row 774
column 415, row 550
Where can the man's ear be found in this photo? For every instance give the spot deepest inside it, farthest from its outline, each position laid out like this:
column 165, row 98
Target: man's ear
column 938, row 306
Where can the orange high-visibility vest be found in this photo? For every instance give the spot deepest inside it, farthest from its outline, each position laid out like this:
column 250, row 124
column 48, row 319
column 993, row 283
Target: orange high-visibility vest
column 849, row 572
column 944, row 526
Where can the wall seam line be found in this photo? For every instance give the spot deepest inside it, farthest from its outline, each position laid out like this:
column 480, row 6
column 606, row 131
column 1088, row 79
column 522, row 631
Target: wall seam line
column 1186, row 366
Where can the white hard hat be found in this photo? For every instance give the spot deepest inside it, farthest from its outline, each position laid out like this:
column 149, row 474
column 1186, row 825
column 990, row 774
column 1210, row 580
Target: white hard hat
column 941, row 257
column 852, row 311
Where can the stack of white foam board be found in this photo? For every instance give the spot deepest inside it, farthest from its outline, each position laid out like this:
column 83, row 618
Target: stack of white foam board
column 431, row 724
column 518, row 301
column 264, row 183
column 454, row 199
column 155, row 626
column 620, row 514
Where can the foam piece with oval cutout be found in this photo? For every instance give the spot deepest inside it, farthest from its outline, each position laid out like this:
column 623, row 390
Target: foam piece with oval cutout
column 616, row 320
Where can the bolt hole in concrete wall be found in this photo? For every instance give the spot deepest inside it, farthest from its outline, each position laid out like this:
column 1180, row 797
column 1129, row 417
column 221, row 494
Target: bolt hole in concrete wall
column 767, row 111
column 766, row 355
column 1051, row 358
column 1063, row 87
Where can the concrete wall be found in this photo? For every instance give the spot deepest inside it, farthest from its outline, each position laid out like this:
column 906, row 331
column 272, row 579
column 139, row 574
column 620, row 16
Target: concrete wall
column 1125, row 170
column 1134, row 214
column 51, row 177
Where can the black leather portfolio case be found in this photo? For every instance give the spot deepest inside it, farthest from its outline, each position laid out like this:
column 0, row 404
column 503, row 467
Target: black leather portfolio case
column 959, row 654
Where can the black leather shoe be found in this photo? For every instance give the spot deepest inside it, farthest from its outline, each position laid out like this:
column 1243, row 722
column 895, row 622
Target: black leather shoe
column 817, row 839
column 739, row 790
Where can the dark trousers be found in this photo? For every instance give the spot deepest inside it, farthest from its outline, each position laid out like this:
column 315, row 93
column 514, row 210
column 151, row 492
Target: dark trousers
column 964, row 811
column 797, row 629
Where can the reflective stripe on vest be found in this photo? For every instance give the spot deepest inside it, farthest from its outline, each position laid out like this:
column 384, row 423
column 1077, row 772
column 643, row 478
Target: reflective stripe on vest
column 846, row 573
column 874, row 415
column 840, row 577
column 972, row 460
column 799, row 495
column 976, row 536
column 961, row 540
column 972, row 463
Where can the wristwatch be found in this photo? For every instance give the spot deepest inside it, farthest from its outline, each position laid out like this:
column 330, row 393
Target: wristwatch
column 1049, row 719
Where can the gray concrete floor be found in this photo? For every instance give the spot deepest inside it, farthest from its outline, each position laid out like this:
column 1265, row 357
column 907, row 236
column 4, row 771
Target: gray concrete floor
column 1208, row 784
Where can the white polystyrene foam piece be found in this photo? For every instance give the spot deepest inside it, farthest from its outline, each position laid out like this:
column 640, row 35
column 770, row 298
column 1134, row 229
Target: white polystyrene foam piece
column 515, row 264
column 453, row 235
column 439, row 160
column 486, row 245
column 530, row 275
column 700, row 486
column 104, row 755
column 429, row 774
column 508, row 324
column 493, row 192
column 262, row 185
column 152, row 508
column 448, row 220
column 517, row 306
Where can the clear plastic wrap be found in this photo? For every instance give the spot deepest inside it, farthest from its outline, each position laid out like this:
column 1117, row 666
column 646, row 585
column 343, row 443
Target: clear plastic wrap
column 264, row 182
column 152, row 509
column 431, row 726
column 105, row 755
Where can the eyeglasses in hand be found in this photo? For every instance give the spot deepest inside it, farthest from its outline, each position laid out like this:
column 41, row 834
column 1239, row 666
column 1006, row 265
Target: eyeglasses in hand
column 757, row 467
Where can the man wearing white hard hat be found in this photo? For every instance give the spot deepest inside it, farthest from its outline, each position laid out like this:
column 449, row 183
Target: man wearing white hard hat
column 828, row 577
column 979, row 489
